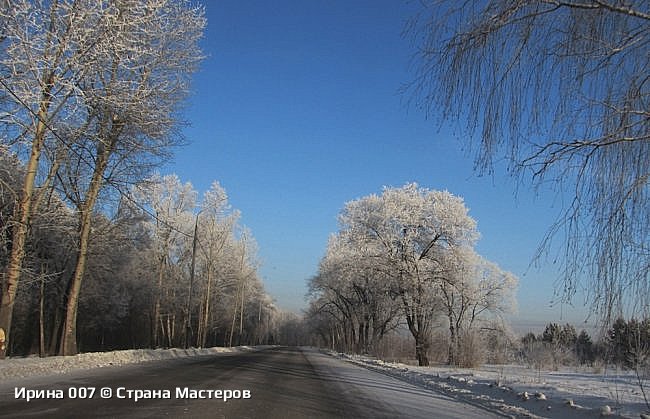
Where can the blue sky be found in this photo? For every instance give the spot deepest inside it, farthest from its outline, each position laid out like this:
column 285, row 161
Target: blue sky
column 297, row 110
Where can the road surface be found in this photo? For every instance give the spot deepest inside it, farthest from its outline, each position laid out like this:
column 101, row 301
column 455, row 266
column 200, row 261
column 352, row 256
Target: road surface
column 274, row 383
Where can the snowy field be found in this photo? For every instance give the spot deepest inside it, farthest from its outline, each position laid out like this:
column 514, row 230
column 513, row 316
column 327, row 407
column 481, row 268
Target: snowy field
column 35, row 366
column 521, row 391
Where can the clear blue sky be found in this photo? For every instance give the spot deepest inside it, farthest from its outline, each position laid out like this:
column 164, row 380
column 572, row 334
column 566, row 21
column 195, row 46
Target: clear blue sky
column 297, row 110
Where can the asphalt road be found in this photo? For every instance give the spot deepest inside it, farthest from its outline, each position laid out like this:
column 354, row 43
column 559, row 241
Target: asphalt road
column 283, row 383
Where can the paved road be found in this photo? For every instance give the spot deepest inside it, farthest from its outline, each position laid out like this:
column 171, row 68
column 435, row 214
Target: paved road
column 283, row 383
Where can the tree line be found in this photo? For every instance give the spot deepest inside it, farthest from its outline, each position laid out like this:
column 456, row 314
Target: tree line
column 406, row 256
column 625, row 344
column 165, row 269
column 96, row 254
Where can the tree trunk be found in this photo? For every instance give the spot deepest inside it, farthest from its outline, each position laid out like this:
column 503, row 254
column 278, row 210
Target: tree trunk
column 234, row 319
column 241, row 314
column 170, row 330
column 367, row 336
column 451, row 356
column 418, row 330
column 21, row 218
column 421, row 349
column 69, row 338
column 55, row 329
column 455, row 329
column 156, row 321
column 41, row 319
column 206, row 311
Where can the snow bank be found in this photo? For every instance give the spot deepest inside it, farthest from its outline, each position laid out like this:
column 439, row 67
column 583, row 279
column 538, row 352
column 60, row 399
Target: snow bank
column 519, row 391
column 34, row 366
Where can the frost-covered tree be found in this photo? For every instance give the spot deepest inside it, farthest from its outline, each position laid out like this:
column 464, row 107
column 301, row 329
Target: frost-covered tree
column 171, row 203
column 419, row 244
column 132, row 92
column 206, row 283
column 139, row 264
column 95, row 87
column 246, row 279
column 560, row 89
column 414, row 229
column 43, row 48
column 215, row 226
column 353, row 291
column 475, row 287
column 47, row 264
column 104, row 306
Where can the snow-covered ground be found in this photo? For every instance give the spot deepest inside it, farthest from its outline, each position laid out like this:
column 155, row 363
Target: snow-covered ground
column 35, row 366
column 511, row 389
column 518, row 390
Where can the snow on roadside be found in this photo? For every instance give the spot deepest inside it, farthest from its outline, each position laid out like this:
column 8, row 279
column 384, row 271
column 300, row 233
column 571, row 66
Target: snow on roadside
column 34, row 366
column 517, row 391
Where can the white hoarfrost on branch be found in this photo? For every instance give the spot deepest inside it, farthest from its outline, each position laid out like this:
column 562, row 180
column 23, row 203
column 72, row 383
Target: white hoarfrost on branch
column 560, row 91
column 411, row 249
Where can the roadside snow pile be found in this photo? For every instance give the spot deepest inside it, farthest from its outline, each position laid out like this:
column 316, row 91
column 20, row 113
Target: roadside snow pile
column 518, row 391
column 34, row 366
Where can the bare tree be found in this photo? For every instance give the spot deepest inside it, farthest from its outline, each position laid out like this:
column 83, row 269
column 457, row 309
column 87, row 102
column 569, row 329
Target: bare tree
column 561, row 89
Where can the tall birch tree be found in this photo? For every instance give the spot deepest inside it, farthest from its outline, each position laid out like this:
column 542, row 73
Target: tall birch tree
column 561, row 90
